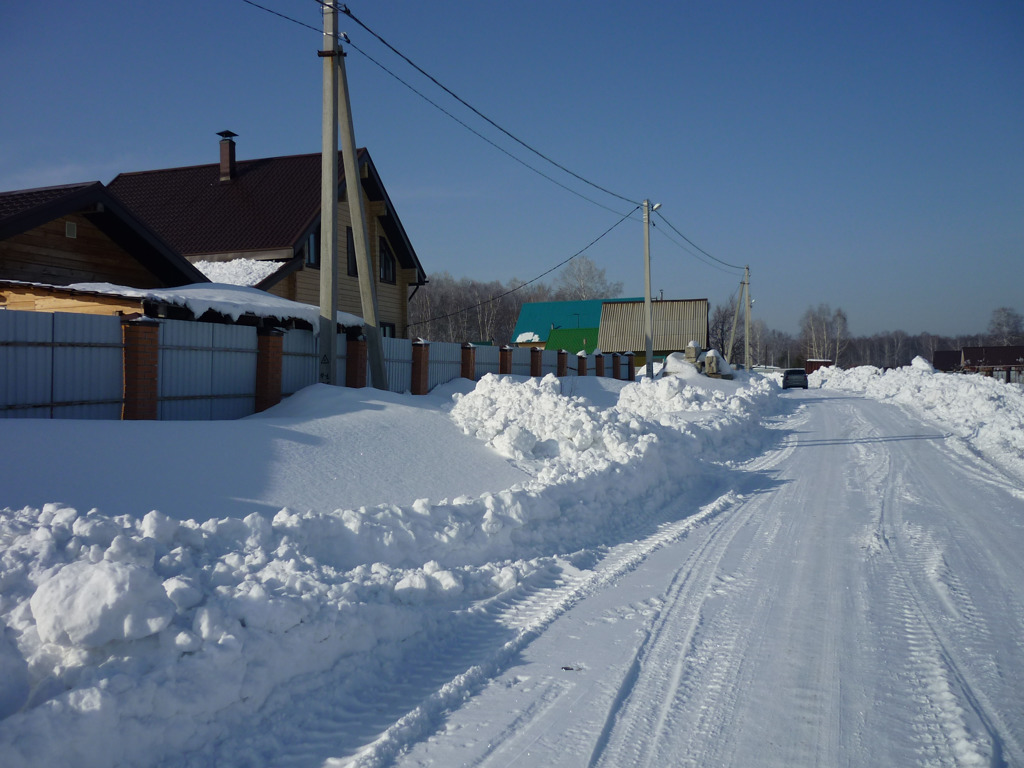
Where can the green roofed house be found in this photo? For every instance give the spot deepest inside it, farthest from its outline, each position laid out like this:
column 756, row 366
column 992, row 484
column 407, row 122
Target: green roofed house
column 538, row 319
column 573, row 340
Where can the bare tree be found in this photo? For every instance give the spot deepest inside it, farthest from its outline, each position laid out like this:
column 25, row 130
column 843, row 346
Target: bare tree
column 583, row 279
column 720, row 326
column 824, row 333
column 1006, row 327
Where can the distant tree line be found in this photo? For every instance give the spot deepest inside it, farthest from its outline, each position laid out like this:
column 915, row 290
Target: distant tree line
column 451, row 309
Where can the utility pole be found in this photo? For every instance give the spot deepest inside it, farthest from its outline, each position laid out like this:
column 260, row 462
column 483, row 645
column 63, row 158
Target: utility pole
column 743, row 300
column 648, row 310
column 746, row 329
column 354, row 191
column 329, row 202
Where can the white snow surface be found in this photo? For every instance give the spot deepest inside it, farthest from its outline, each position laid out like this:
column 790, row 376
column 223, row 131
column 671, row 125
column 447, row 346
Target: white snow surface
column 247, row 272
column 193, row 594
column 229, row 300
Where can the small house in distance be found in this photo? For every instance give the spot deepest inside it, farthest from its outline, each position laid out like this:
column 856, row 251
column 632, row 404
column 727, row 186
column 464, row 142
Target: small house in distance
column 676, row 323
column 538, row 319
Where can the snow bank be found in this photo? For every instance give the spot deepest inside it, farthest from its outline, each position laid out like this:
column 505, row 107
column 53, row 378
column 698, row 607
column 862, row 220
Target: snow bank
column 985, row 412
column 143, row 639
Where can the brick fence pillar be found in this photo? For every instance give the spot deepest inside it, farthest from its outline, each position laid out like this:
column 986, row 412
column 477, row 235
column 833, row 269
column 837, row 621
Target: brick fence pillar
column 536, row 361
column 468, row 361
column 599, row 364
column 269, row 355
column 581, row 365
column 420, row 367
column 563, row 363
column 141, row 361
column 616, row 365
column 505, row 359
column 630, row 367
column 355, row 363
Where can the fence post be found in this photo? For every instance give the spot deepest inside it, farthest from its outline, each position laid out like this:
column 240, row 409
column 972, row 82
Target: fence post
column 536, row 361
column 616, row 365
column 630, row 367
column 269, row 349
column 563, row 363
column 141, row 361
column 505, row 360
column 581, row 364
column 599, row 364
column 468, row 361
column 355, row 363
column 420, row 367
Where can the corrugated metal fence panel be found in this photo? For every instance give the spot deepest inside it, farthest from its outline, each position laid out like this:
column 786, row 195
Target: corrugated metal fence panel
column 398, row 363
column 91, row 371
column 234, row 371
column 26, row 372
column 676, row 323
column 298, row 360
column 207, row 370
column 488, row 360
column 341, row 345
column 549, row 362
column 521, row 361
column 445, row 363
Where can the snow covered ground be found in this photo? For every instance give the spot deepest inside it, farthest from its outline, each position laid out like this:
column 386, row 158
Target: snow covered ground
column 360, row 578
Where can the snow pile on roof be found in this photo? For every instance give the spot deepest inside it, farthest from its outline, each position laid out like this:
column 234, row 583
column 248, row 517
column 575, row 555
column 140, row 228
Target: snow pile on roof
column 229, row 300
column 527, row 337
column 239, row 271
column 984, row 411
column 140, row 639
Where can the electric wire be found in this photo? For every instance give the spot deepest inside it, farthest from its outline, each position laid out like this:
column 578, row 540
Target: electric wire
column 691, row 252
column 344, row 9
column 528, row 282
column 670, row 226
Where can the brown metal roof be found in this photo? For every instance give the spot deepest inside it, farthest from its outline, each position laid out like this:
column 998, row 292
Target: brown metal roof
column 270, row 203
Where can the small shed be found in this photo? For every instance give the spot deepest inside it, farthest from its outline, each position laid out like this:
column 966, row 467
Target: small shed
column 810, row 366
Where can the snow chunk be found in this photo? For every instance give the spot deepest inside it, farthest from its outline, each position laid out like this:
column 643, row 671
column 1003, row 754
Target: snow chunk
column 91, row 604
column 239, row 271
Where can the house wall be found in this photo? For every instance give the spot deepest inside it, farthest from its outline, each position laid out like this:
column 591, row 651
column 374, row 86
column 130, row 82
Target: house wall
column 392, row 301
column 46, row 255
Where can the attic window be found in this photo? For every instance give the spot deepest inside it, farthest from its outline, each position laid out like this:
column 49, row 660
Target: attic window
column 70, row 229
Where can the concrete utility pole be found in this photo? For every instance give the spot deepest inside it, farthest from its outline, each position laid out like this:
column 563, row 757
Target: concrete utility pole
column 746, row 329
column 742, row 300
column 329, row 203
column 354, row 190
column 648, row 310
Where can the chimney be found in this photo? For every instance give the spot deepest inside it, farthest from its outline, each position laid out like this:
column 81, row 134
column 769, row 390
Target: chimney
column 227, row 155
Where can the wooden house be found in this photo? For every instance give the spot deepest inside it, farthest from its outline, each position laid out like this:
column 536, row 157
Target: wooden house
column 268, row 210
column 81, row 233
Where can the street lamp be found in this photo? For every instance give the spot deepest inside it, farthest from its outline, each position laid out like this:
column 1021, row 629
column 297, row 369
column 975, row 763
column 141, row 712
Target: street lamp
column 648, row 309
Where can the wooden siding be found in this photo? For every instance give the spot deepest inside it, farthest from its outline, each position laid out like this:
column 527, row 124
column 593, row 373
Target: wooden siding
column 392, row 299
column 40, row 299
column 46, row 255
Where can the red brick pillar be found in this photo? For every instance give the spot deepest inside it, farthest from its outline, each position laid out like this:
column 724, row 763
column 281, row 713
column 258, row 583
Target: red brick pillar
column 599, row 364
column 616, row 365
column 505, row 359
column 355, row 363
column 420, row 367
column 563, row 363
column 536, row 361
column 630, row 367
column 269, row 349
column 581, row 365
column 141, row 361
column 468, row 361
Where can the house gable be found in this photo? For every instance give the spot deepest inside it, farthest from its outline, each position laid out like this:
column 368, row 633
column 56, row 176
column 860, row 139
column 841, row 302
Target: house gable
column 80, row 233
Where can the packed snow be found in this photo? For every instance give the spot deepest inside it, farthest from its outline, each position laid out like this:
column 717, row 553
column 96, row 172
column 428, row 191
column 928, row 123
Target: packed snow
column 191, row 594
column 248, row 272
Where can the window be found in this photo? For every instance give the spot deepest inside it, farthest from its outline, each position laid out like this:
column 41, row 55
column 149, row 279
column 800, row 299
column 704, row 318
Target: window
column 387, row 261
column 350, row 249
column 387, row 330
column 311, row 248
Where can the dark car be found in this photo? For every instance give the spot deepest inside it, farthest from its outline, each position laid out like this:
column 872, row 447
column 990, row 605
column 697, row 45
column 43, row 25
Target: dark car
column 794, row 377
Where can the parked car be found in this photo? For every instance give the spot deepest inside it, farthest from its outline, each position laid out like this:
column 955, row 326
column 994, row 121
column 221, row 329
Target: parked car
column 794, row 377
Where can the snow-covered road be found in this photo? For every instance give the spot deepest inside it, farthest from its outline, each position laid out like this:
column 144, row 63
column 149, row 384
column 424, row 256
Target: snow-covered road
column 854, row 602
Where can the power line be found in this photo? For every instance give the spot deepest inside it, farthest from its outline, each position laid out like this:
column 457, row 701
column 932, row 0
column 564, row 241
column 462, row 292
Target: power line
column 714, row 258
column 691, row 252
column 528, row 282
column 344, row 9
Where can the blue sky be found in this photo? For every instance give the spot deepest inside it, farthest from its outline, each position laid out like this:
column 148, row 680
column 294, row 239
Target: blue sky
column 867, row 155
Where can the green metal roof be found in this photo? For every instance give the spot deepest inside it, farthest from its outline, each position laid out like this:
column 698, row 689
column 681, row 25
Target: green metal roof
column 541, row 317
column 572, row 340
